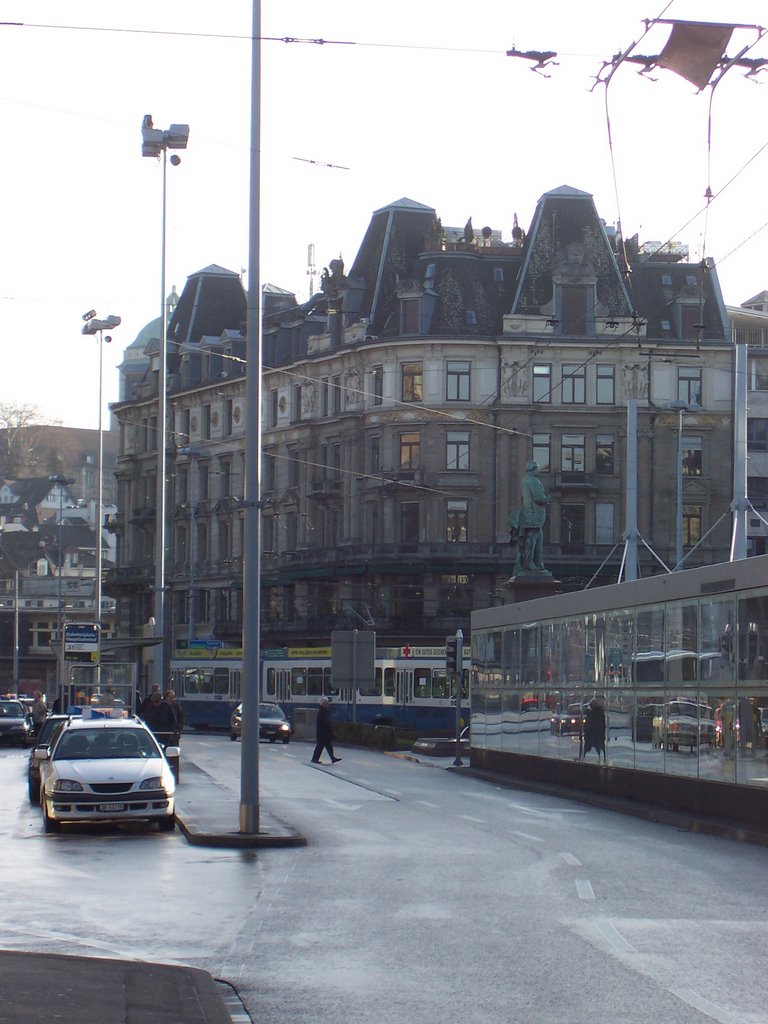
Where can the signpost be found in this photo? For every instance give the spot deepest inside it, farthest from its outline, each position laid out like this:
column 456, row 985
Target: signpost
column 81, row 642
column 353, row 661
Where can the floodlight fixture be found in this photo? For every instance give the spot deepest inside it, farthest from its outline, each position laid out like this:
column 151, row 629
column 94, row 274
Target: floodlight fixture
column 93, row 326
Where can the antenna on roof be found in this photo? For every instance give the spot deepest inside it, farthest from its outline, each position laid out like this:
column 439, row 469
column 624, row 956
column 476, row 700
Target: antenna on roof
column 311, row 268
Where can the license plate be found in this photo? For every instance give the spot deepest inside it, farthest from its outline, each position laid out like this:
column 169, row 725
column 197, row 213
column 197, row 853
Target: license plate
column 111, row 808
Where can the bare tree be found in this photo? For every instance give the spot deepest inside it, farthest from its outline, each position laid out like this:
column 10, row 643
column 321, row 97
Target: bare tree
column 18, row 439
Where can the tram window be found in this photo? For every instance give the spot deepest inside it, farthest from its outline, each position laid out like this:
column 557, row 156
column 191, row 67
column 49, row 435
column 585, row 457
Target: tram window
column 221, row 682
column 298, row 682
column 422, row 683
column 315, row 681
column 374, row 690
column 328, row 688
column 191, row 684
column 271, row 691
column 205, row 681
column 439, row 684
column 389, row 681
column 235, row 694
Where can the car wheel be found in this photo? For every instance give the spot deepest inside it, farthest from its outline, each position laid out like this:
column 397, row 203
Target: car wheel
column 286, row 740
column 272, row 739
column 50, row 824
column 233, row 737
column 33, row 791
column 167, row 824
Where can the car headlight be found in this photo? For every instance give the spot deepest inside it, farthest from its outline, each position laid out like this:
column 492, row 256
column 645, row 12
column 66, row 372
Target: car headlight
column 284, row 727
column 156, row 782
column 67, row 786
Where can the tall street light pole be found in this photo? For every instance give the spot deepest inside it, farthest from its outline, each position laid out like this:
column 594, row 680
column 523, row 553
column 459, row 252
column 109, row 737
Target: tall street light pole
column 61, row 482
column 249, row 754
column 94, row 326
column 155, row 143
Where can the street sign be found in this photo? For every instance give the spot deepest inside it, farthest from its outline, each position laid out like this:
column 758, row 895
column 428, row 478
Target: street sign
column 81, row 641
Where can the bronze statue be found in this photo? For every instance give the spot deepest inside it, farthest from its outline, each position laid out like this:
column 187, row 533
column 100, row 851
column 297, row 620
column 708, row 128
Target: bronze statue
column 526, row 524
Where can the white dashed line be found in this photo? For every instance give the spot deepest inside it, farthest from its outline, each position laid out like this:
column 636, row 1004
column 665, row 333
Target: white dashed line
column 526, row 835
column 570, row 859
column 584, row 889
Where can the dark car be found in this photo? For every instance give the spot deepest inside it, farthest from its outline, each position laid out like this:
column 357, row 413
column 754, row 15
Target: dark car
column 568, row 722
column 273, row 725
column 44, row 739
column 15, row 724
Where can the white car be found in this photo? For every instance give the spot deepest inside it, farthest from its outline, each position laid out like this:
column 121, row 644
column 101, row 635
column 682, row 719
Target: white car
column 106, row 769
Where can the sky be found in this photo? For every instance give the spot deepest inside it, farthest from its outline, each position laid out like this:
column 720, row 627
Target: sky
column 403, row 99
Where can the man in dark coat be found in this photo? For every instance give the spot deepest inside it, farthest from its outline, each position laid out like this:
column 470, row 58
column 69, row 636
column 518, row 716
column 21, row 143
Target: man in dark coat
column 594, row 729
column 159, row 717
column 324, row 733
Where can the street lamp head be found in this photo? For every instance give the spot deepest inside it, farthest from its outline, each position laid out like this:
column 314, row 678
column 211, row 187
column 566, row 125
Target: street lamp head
column 93, row 326
column 154, row 141
column 89, row 315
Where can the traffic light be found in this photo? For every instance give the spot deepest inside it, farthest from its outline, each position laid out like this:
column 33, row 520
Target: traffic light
column 451, row 654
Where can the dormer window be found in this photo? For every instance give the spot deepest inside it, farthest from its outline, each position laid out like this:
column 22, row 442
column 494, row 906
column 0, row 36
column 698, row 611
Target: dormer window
column 410, row 316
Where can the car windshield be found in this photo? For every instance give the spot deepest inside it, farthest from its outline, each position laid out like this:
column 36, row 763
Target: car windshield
column 82, row 744
column 270, row 711
column 11, row 709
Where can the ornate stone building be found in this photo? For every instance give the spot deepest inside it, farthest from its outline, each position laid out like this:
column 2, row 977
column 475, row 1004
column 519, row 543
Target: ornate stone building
column 400, row 406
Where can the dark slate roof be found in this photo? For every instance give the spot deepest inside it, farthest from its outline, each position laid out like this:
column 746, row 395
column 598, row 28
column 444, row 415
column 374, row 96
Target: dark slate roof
column 18, row 549
column 212, row 301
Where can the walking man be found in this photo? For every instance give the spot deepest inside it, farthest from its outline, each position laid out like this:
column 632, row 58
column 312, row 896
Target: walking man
column 324, row 733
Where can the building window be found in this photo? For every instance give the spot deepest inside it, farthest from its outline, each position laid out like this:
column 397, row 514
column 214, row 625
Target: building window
column 324, row 389
column 691, row 525
column 409, row 522
column 690, row 322
column 203, row 480
column 457, row 380
column 202, row 542
column 542, row 383
column 225, row 478
column 604, row 454
column 572, row 528
column 296, row 403
column 374, row 454
column 182, row 554
column 757, row 374
column 456, row 521
column 757, row 490
column 412, row 386
column 377, row 384
column 689, row 384
column 542, row 451
column 606, row 385
column 225, row 549
column 270, row 472
column 273, row 407
column 291, row 531
column 410, row 316
column 410, row 450
column 457, row 450
column 228, row 417
column 185, row 419
column 572, row 449
column 757, row 434
column 336, row 395
column 293, row 468
column 691, row 455
column 604, row 522
column 334, row 466
column 574, row 387
column 206, row 429
column 182, row 486
column 268, row 535
column 574, row 310
column 372, row 524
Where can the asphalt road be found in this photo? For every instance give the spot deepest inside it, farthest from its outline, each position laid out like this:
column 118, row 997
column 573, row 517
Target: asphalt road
column 424, row 894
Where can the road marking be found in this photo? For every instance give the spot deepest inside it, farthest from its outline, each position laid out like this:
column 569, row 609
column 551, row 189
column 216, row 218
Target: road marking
column 704, row 1005
column 526, row 835
column 570, row 859
column 584, row 889
column 608, row 931
column 426, row 803
column 466, row 817
column 343, row 806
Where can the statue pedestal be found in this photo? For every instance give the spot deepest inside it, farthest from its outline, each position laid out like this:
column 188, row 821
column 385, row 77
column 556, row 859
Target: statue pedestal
column 528, row 587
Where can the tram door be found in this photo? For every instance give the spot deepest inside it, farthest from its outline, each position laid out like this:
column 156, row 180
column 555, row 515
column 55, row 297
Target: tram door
column 404, row 686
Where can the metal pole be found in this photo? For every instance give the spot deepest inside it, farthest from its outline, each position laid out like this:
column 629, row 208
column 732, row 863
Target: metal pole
column 354, row 674
column 459, row 674
column 249, row 763
column 16, row 634
column 192, row 555
column 679, row 485
column 740, row 504
column 60, row 660
column 161, row 441
column 99, row 515
column 630, row 514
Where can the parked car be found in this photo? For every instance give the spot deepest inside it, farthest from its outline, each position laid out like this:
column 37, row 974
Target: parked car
column 44, row 739
column 687, row 724
column 106, row 769
column 15, row 722
column 273, row 725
